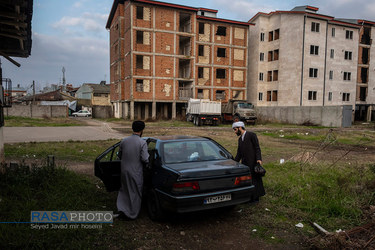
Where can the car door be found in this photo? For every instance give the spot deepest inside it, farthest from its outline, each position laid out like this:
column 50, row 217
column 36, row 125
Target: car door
column 108, row 168
column 149, row 169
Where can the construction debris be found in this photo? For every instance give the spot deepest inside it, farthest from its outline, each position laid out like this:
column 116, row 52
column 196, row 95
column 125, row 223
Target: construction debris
column 362, row 237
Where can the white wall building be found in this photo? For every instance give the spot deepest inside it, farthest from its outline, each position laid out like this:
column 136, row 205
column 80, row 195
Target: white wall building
column 302, row 58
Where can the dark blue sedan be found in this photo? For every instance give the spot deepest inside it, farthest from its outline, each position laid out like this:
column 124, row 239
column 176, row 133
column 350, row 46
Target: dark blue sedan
column 185, row 174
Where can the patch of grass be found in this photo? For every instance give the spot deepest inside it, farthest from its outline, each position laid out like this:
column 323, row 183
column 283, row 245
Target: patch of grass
column 169, row 123
column 285, row 125
column 330, row 196
column 15, row 121
column 81, row 151
column 293, row 136
column 25, row 189
column 354, row 138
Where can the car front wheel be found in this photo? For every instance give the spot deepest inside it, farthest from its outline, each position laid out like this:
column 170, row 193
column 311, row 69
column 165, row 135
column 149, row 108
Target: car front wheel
column 155, row 211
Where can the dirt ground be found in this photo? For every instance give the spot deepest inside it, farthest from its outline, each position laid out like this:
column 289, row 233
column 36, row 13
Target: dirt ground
column 225, row 229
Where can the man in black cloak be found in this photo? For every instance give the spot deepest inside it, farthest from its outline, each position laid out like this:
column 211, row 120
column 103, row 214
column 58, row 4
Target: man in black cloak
column 249, row 153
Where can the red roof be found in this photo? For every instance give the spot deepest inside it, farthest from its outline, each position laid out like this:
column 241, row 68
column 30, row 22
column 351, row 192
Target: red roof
column 365, row 22
column 291, row 12
column 312, row 8
column 223, row 20
column 172, row 5
column 177, row 6
column 209, row 10
column 167, row 4
column 318, row 16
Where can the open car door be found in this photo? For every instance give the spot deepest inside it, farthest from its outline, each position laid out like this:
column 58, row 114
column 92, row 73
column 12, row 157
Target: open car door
column 108, row 168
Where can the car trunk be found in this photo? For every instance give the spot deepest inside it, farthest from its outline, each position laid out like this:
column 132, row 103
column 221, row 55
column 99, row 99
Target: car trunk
column 209, row 169
column 213, row 175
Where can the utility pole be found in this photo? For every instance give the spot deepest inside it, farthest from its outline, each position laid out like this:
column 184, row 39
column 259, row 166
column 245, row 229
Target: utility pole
column 33, row 91
column 63, row 71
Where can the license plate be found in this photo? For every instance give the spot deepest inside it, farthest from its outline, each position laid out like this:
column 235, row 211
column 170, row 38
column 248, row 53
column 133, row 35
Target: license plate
column 219, row 198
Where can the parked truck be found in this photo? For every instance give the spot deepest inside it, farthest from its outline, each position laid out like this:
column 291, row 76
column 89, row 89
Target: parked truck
column 238, row 110
column 203, row 111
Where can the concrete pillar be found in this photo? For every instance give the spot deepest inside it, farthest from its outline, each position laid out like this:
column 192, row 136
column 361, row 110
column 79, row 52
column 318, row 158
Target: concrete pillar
column 369, row 113
column 153, row 110
column 174, row 110
column 132, row 110
column 119, row 109
column 165, row 113
column 126, row 110
column 146, row 110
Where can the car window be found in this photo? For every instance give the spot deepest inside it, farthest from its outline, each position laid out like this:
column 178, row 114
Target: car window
column 246, row 105
column 187, row 151
column 112, row 155
column 151, row 145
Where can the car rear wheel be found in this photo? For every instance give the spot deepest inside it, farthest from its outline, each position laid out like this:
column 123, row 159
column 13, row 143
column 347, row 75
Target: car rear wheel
column 155, row 211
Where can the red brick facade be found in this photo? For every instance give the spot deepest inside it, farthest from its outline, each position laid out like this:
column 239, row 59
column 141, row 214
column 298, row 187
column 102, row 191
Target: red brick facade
column 158, row 53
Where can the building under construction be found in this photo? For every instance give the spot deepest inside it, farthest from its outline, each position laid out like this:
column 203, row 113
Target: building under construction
column 162, row 54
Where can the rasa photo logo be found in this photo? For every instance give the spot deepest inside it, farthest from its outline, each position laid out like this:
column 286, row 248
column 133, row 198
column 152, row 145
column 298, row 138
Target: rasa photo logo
column 69, row 217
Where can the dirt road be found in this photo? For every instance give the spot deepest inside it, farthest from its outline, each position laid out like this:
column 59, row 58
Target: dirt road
column 96, row 130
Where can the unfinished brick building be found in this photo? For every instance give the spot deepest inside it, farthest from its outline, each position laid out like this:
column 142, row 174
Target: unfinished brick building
column 162, row 54
column 365, row 98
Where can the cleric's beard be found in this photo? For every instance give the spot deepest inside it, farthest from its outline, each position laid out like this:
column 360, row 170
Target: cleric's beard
column 238, row 133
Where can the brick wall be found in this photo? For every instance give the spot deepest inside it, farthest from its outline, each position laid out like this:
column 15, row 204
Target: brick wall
column 164, row 66
column 164, row 43
column 165, row 19
column 164, row 89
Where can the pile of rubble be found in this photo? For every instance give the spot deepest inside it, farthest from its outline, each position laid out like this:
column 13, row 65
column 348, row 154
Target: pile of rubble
column 362, row 237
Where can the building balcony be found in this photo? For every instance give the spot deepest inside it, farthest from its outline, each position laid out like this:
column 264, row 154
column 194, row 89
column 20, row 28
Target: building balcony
column 185, row 90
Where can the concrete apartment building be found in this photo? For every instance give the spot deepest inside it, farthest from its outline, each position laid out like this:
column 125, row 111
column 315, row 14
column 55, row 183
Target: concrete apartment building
column 162, row 54
column 302, row 58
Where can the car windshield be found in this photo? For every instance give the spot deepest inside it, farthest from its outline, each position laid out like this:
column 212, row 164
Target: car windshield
column 245, row 105
column 187, row 151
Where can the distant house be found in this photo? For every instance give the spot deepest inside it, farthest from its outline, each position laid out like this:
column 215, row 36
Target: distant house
column 17, row 93
column 56, row 95
column 71, row 90
column 98, row 94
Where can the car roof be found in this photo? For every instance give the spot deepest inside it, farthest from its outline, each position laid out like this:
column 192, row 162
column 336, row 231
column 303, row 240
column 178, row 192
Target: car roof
column 177, row 138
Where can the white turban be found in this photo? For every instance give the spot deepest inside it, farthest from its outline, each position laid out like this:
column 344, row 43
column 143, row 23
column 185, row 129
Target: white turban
column 238, row 124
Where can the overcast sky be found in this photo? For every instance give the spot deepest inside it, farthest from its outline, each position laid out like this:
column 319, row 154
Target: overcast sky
column 72, row 34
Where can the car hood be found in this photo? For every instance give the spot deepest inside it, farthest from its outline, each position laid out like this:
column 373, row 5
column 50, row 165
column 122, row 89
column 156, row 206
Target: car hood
column 206, row 169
